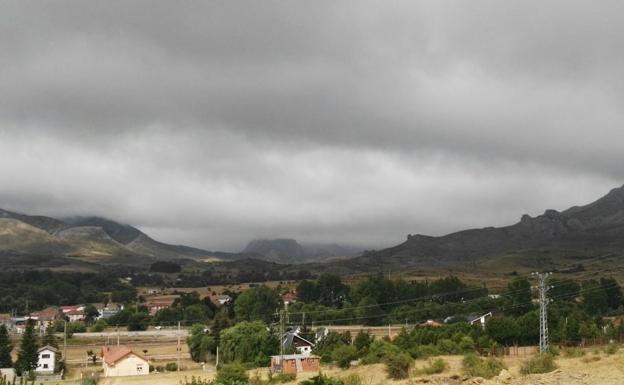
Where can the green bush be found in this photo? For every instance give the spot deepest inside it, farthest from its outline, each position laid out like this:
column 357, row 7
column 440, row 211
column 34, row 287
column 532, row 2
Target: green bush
column 424, row 351
column 283, row 378
column 398, row 365
column 378, row 351
column 171, row 366
column 234, row 371
column 540, row 363
column 343, row 355
column 476, row 366
column 447, row 346
column 611, row 348
column 322, row 379
column 573, row 352
column 99, row 326
column 434, row 367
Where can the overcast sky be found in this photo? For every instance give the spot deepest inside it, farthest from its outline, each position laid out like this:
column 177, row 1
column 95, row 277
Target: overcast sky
column 213, row 123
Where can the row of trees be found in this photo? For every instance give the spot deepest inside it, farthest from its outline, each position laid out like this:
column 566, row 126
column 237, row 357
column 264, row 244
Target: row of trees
column 27, row 356
column 28, row 290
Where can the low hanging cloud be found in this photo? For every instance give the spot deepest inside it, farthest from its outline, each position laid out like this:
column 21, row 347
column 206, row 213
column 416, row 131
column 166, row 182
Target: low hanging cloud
column 350, row 122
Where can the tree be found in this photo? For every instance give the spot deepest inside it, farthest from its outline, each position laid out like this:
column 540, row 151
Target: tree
column 503, row 330
column 248, row 342
column 200, row 343
column 518, row 297
column 594, row 296
column 138, row 321
column 332, row 292
column 91, row 313
column 258, row 303
column 613, row 292
column 27, row 357
column 307, row 291
column 343, row 355
column 368, row 311
column 49, row 338
column 362, row 341
column 6, row 361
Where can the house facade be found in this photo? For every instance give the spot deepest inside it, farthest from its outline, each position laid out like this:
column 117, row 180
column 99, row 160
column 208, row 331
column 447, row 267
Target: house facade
column 46, row 360
column 292, row 341
column 295, row 363
column 122, row 361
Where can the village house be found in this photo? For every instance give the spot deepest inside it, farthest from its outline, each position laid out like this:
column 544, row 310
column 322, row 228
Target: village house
column 122, row 361
column 293, row 341
column 154, row 307
column 295, row 363
column 46, row 317
column 220, row 299
column 108, row 310
column 289, row 297
column 431, row 323
column 74, row 313
column 46, row 363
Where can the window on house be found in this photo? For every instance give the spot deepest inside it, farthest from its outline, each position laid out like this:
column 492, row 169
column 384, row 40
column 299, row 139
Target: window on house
column 45, row 366
column 139, row 368
column 45, row 356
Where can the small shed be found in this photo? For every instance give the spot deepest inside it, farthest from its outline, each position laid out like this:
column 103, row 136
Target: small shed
column 295, row 363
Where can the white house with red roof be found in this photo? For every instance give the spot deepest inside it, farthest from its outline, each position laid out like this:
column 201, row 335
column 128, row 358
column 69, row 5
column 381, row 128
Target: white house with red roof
column 122, row 361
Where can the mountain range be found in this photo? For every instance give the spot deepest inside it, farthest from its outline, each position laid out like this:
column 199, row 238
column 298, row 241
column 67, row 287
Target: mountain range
column 593, row 233
column 580, row 235
column 289, row 251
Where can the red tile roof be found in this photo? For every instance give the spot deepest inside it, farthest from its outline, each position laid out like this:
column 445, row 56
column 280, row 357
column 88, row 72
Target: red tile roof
column 113, row 354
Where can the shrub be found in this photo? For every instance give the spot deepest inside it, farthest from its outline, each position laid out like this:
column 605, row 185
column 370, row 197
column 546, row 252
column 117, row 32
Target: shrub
column 476, row 366
column 322, row 379
column 611, row 348
column 447, row 346
column 284, row 377
column 378, row 351
column 424, row 351
column 343, row 355
column 232, row 372
column 171, row 366
column 434, row 367
column 540, row 363
column 99, row 326
column 195, row 381
column 398, row 365
column 573, row 352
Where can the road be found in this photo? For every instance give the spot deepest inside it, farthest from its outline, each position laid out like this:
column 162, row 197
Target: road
column 169, row 333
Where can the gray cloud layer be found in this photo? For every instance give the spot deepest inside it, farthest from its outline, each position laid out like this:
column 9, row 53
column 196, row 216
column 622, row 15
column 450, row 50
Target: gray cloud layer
column 356, row 122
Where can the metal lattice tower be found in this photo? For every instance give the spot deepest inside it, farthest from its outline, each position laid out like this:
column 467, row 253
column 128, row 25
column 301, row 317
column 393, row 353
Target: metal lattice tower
column 543, row 301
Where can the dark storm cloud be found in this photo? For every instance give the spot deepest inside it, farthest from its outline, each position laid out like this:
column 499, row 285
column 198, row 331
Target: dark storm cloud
column 212, row 123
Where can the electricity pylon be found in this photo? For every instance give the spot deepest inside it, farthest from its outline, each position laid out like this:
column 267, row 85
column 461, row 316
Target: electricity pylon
column 543, row 301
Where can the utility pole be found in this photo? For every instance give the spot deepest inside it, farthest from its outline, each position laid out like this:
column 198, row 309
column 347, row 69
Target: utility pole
column 178, row 346
column 65, row 340
column 281, row 337
column 543, row 301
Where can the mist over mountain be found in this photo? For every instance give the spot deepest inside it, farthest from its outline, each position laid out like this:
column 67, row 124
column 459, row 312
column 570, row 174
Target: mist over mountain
column 580, row 235
column 290, row 251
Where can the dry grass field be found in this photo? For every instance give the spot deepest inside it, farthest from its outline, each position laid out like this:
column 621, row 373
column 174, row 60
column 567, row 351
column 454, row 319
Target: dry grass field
column 595, row 368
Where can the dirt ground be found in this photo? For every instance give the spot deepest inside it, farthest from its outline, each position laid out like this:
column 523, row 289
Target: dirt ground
column 595, row 368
